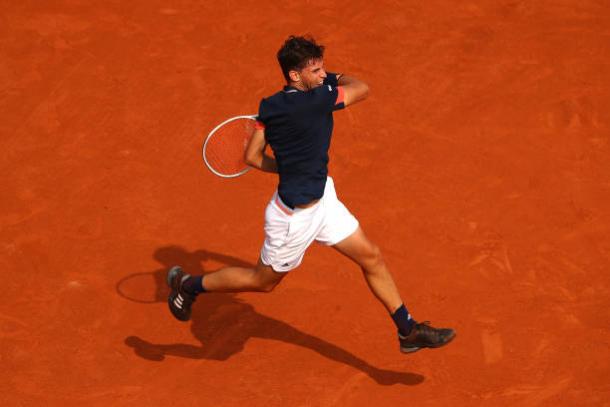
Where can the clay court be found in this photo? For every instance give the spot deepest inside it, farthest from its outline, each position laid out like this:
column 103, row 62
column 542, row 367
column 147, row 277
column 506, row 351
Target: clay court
column 479, row 164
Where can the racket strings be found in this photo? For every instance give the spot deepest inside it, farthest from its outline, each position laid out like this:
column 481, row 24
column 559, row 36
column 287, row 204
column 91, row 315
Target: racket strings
column 226, row 147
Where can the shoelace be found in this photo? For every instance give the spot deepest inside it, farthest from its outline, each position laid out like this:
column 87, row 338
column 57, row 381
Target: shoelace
column 425, row 328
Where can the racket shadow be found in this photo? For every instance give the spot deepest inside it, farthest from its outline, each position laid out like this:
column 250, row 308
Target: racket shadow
column 223, row 324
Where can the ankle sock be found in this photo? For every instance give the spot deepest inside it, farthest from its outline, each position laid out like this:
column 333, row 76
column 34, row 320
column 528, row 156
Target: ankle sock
column 403, row 320
column 193, row 285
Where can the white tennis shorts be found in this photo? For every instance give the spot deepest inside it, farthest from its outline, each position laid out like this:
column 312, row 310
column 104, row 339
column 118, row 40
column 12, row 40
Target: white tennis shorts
column 289, row 232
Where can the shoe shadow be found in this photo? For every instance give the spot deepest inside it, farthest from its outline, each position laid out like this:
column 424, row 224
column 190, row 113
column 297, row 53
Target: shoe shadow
column 224, row 323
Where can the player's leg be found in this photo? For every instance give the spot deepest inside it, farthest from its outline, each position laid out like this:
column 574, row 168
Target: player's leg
column 281, row 252
column 237, row 279
column 368, row 256
column 341, row 231
column 185, row 288
column 412, row 335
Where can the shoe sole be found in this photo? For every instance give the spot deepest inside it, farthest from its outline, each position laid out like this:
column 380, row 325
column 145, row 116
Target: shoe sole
column 171, row 274
column 415, row 349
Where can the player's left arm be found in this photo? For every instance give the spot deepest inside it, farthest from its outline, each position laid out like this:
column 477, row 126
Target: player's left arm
column 255, row 154
column 354, row 90
column 349, row 89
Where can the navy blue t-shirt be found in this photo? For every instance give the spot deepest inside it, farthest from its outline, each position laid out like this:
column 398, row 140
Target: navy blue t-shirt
column 298, row 127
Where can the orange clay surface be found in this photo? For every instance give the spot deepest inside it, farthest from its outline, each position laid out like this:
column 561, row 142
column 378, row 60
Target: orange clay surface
column 480, row 164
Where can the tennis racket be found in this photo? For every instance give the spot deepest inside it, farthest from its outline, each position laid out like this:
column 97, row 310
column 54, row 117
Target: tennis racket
column 225, row 146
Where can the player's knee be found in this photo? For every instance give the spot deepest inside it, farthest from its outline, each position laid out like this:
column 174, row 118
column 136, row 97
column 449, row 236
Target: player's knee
column 268, row 286
column 377, row 256
column 373, row 257
column 265, row 283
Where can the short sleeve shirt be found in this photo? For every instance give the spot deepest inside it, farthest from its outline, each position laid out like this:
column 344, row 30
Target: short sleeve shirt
column 298, row 126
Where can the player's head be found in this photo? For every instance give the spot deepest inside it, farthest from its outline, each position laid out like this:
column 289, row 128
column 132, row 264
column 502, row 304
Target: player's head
column 301, row 60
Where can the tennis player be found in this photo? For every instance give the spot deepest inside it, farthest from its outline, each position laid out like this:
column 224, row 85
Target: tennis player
column 297, row 123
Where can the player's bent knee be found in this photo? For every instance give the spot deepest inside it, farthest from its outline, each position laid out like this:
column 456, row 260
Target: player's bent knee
column 266, row 280
column 268, row 286
column 373, row 257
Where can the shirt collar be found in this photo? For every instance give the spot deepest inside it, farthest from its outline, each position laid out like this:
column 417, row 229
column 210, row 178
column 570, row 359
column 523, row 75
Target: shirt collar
column 290, row 89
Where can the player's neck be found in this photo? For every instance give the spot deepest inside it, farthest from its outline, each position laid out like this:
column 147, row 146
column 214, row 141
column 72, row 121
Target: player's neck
column 297, row 85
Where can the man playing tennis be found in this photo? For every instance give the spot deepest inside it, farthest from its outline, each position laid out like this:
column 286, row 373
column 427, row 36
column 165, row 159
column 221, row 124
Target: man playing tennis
column 297, row 123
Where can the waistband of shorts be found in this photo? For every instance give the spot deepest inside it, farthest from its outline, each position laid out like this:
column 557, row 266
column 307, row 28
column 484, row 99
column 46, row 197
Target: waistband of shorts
column 281, row 205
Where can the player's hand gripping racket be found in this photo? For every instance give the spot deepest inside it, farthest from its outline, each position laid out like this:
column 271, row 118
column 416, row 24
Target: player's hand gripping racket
column 225, row 146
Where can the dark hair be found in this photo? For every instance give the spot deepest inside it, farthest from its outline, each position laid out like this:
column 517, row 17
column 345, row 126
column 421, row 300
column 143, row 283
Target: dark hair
column 296, row 53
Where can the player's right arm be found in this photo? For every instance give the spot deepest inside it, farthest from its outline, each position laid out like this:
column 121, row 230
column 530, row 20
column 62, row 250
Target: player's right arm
column 354, row 90
column 255, row 155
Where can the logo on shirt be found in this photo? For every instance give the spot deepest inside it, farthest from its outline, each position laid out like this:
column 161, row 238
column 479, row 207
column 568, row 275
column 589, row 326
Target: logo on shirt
column 330, row 89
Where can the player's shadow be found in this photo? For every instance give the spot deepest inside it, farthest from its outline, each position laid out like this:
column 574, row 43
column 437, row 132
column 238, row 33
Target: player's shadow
column 223, row 323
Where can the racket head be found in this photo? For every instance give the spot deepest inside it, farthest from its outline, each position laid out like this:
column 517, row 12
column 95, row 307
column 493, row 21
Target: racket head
column 225, row 146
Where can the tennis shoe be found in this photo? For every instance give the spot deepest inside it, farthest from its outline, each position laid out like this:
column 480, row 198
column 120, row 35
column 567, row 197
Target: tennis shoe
column 425, row 336
column 179, row 301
